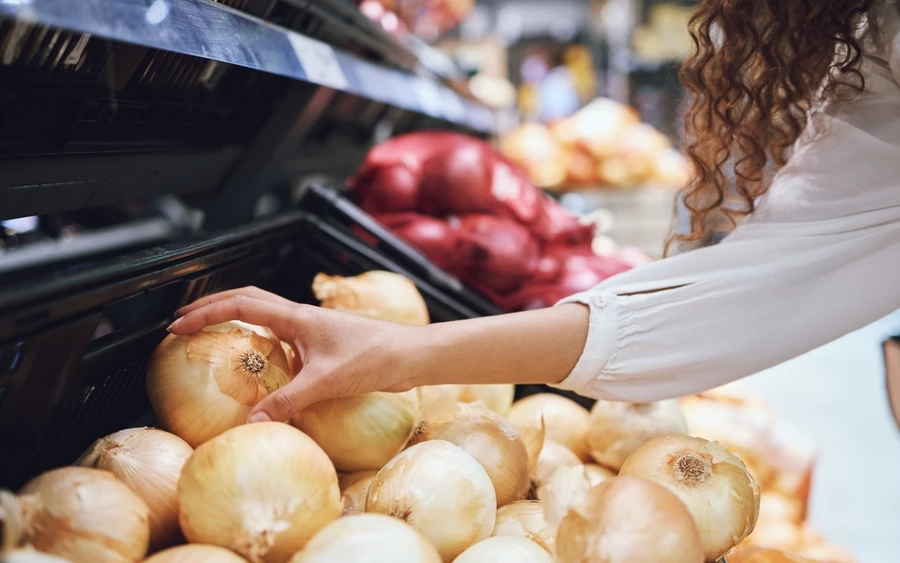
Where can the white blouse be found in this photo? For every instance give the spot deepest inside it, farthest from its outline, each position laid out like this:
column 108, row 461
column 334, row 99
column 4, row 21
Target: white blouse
column 819, row 258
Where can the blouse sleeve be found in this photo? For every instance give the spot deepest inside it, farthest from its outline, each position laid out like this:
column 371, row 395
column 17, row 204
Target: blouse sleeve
column 819, row 259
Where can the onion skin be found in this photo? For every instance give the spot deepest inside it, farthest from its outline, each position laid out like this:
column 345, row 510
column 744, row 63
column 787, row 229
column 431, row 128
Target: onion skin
column 196, row 553
column 714, row 485
column 628, row 520
column 498, row 398
column 596, row 474
column 378, row 295
column 553, row 456
column 262, row 490
column 505, row 549
column 373, row 538
column 565, row 420
column 616, row 429
column 362, row 432
column 525, row 518
column 354, row 490
column 81, row 514
column 149, row 461
column 30, row 556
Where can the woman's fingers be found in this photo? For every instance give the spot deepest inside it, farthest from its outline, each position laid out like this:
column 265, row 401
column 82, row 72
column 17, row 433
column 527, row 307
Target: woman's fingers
column 280, row 406
column 249, row 291
column 280, row 318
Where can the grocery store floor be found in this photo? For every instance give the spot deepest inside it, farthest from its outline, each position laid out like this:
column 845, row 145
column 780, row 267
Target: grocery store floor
column 836, row 396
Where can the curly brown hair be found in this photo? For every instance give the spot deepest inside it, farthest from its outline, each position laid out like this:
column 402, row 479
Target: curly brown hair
column 758, row 67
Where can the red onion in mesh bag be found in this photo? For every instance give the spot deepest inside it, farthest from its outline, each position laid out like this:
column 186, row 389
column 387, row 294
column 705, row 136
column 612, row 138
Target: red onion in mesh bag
column 497, row 252
column 436, row 239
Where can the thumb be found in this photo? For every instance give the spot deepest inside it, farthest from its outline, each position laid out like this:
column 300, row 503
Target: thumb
column 284, row 403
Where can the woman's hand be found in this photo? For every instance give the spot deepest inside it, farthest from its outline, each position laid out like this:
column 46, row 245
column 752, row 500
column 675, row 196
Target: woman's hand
column 338, row 354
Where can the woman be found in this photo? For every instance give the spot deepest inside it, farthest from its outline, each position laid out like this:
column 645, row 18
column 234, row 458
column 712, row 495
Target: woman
column 817, row 257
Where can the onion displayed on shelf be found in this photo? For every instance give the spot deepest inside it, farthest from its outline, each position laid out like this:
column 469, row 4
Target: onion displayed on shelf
column 262, row 490
column 373, row 538
column 628, row 520
column 149, row 461
column 525, row 518
column 196, row 553
column 205, row 383
column 505, row 549
column 81, row 514
column 498, row 398
column 552, row 456
column 440, row 490
column 362, row 432
column 494, row 442
column 616, row 429
column 714, row 485
column 567, row 487
column 565, row 420
column 354, row 490
column 376, row 294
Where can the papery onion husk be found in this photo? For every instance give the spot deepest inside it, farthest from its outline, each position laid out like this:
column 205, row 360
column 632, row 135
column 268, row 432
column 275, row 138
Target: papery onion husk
column 498, row 398
column 81, row 514
column 149, row 461
column 628, row 520
column 564, row 490
column 440, row 490
column 261, row 490
column 196, row 553
column 373, row 538
column 354, row 490
column 525, row 518
column 616, row 429
column 376, row 294
column 553, row 456
column 205, row 383
column 714, row 485
column 596, row 474
column 505, row 549
column 494, row 442
column 533, row 437
column 565, row 420
column 362, row 432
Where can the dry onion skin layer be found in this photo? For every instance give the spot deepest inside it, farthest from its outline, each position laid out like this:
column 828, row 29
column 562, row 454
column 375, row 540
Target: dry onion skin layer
column 525, row 518
column 616, row 429
column 565, row 420
column 494, row 442
column 262, row 490
column 149, row 461
column 377, row 294
column 505, row 549
column 362, row 432
column 373, row 538
column 81, row 514
column 714, row 485
column 196, row 553
column 628, row 520
column 440, row 490
column 553, row 456
column 354, row 490
column 205, row 383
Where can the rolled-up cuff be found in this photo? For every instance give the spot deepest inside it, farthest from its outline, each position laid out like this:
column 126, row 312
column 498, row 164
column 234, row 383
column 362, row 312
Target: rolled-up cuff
column 587, row 376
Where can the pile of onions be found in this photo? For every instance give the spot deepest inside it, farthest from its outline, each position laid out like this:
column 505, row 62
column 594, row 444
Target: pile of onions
column 362, row 432
column 566, row 488
column 498, row 398
column 149, row 461
column 525, row 518
column 354, row 490
column 505, row 549
column 441, row 491
column 565, row 420
column 714, row 485
column 196, row 553
column 80, row 514
column 553, row 456
column 628, row 520
column 262, row 490
column 204, row 383
column 494, row 442
column 374, row 538
column 616, row 429
column 375, row 294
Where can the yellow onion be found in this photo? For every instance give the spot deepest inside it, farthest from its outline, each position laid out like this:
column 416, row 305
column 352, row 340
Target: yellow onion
column 196, row 553
column 204, row 383
column 628, row 520
column 553, row 456
column 149, row 461
column 525, row 518
column 714, row 485
column 373, row 538
column 533, row 437
column 565, row 420
column 505, row 549
column 81, row 514
column 440, row 490
column 617, row 429
column 376, row 294
column 261, row 490
column 495, row 443
column 498, row 398
column 596, row 474
column 362, row 432
column 354, row 489
column 566, row 488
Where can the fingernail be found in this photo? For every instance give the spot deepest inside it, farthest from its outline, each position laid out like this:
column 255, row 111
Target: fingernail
column 259, row 417
column 173, row 325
